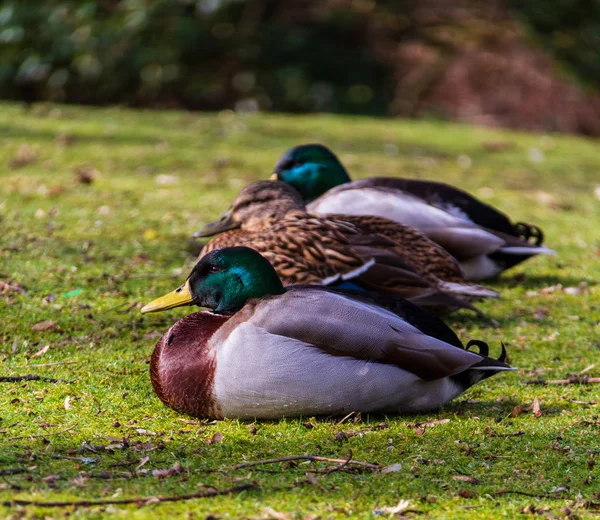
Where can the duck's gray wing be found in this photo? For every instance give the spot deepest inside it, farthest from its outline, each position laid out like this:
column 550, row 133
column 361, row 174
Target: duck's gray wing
column 452, row 230
column 344, row 326
column 446, row 197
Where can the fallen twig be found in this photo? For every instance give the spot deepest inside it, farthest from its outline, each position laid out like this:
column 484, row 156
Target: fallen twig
column 496, row 434
column 343, row 419
column 515, row 492
column 12, row 471
column 339, row 467
column 572, row 380
column 31, row 377
column 312, row 458
column 129, row 307
column 138, row 500
column 46, row 364
column 42, row 434
column 84, row 460
column 152, row 275
column 5, row 287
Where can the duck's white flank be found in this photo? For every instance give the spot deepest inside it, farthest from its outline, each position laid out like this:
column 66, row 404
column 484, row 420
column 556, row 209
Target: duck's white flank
column 329, row 354
column 265, row 376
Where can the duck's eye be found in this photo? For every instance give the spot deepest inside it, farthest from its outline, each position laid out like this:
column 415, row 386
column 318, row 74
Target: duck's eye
column 290, row 163
column 205, row 270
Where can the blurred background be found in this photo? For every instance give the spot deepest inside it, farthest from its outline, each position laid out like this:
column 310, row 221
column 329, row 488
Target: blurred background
column 531, row 65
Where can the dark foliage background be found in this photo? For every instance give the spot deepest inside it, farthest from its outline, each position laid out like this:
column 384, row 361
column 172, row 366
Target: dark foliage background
column 570, row 29
column 406, row 58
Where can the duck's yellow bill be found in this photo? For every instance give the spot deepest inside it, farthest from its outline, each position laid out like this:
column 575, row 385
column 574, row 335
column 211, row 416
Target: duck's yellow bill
column 181, row 296
column 273, row 177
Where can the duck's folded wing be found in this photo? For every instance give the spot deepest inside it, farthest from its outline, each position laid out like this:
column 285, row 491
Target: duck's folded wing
column 343, row 326
column 448, row 198
column 447, row 226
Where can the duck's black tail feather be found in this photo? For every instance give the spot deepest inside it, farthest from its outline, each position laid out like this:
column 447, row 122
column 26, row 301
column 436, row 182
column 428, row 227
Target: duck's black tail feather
column 527, row 241
column 483, row 369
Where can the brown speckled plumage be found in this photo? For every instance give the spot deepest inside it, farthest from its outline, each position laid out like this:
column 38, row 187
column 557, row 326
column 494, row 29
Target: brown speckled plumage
column 302, row 250
column 307, row 249
column 429, row 259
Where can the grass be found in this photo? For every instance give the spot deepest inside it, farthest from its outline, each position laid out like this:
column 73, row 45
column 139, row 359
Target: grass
column 85, row 256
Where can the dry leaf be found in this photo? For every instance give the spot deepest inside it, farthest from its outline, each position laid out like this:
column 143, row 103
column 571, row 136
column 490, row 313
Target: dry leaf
column 44, row 326
column 86, row 174
column 25, row 155
column 166, row 180
column 11, row 287
column 497, row 146
column 466, row 493
column 278, row 515
column 188, row 421
column 535, row 155
column 340, row 436
column 465, row 478
column 215, row 439
column 517, row 410
column 582, row 288
column 78, row 481
column 152, row 335
column 64, row 140
column 176, row 469
column 394, row 468
column 149, row 234
column 551, row 289
column 54, row 191
column 143, row 461
column 40, row 352
column 141, row 431
column 67, row 404
column 536, row 408
column 403, row 505
column 428, row 423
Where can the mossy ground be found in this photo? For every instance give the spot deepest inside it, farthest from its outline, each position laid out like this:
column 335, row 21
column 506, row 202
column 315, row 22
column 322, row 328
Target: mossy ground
column 86, row 256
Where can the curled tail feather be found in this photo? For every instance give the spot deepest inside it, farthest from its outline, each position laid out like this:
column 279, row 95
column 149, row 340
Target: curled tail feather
column 483, row 369
column 529, row 231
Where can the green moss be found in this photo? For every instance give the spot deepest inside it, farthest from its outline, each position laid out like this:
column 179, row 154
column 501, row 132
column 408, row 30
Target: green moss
column 84, row 253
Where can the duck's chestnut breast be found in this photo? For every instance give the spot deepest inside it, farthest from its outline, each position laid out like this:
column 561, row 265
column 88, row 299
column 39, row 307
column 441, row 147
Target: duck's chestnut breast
column 183, row 365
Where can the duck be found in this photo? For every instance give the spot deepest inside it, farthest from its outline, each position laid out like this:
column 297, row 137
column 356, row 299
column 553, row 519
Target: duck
column 265, row 351
column 483, row 239
column 355, row 251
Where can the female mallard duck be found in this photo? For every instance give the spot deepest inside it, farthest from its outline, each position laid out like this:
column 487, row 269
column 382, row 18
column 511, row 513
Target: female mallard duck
column 480, row 237
column 263, row 351
column 376, row 253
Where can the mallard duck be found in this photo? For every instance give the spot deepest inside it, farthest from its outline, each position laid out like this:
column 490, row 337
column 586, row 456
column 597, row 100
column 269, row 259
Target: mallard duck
column 480, row 237
column 375, row 253
column 265, row 351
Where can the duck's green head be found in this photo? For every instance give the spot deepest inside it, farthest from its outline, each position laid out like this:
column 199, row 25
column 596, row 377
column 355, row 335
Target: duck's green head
column 223, row 280
column 312, row 169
